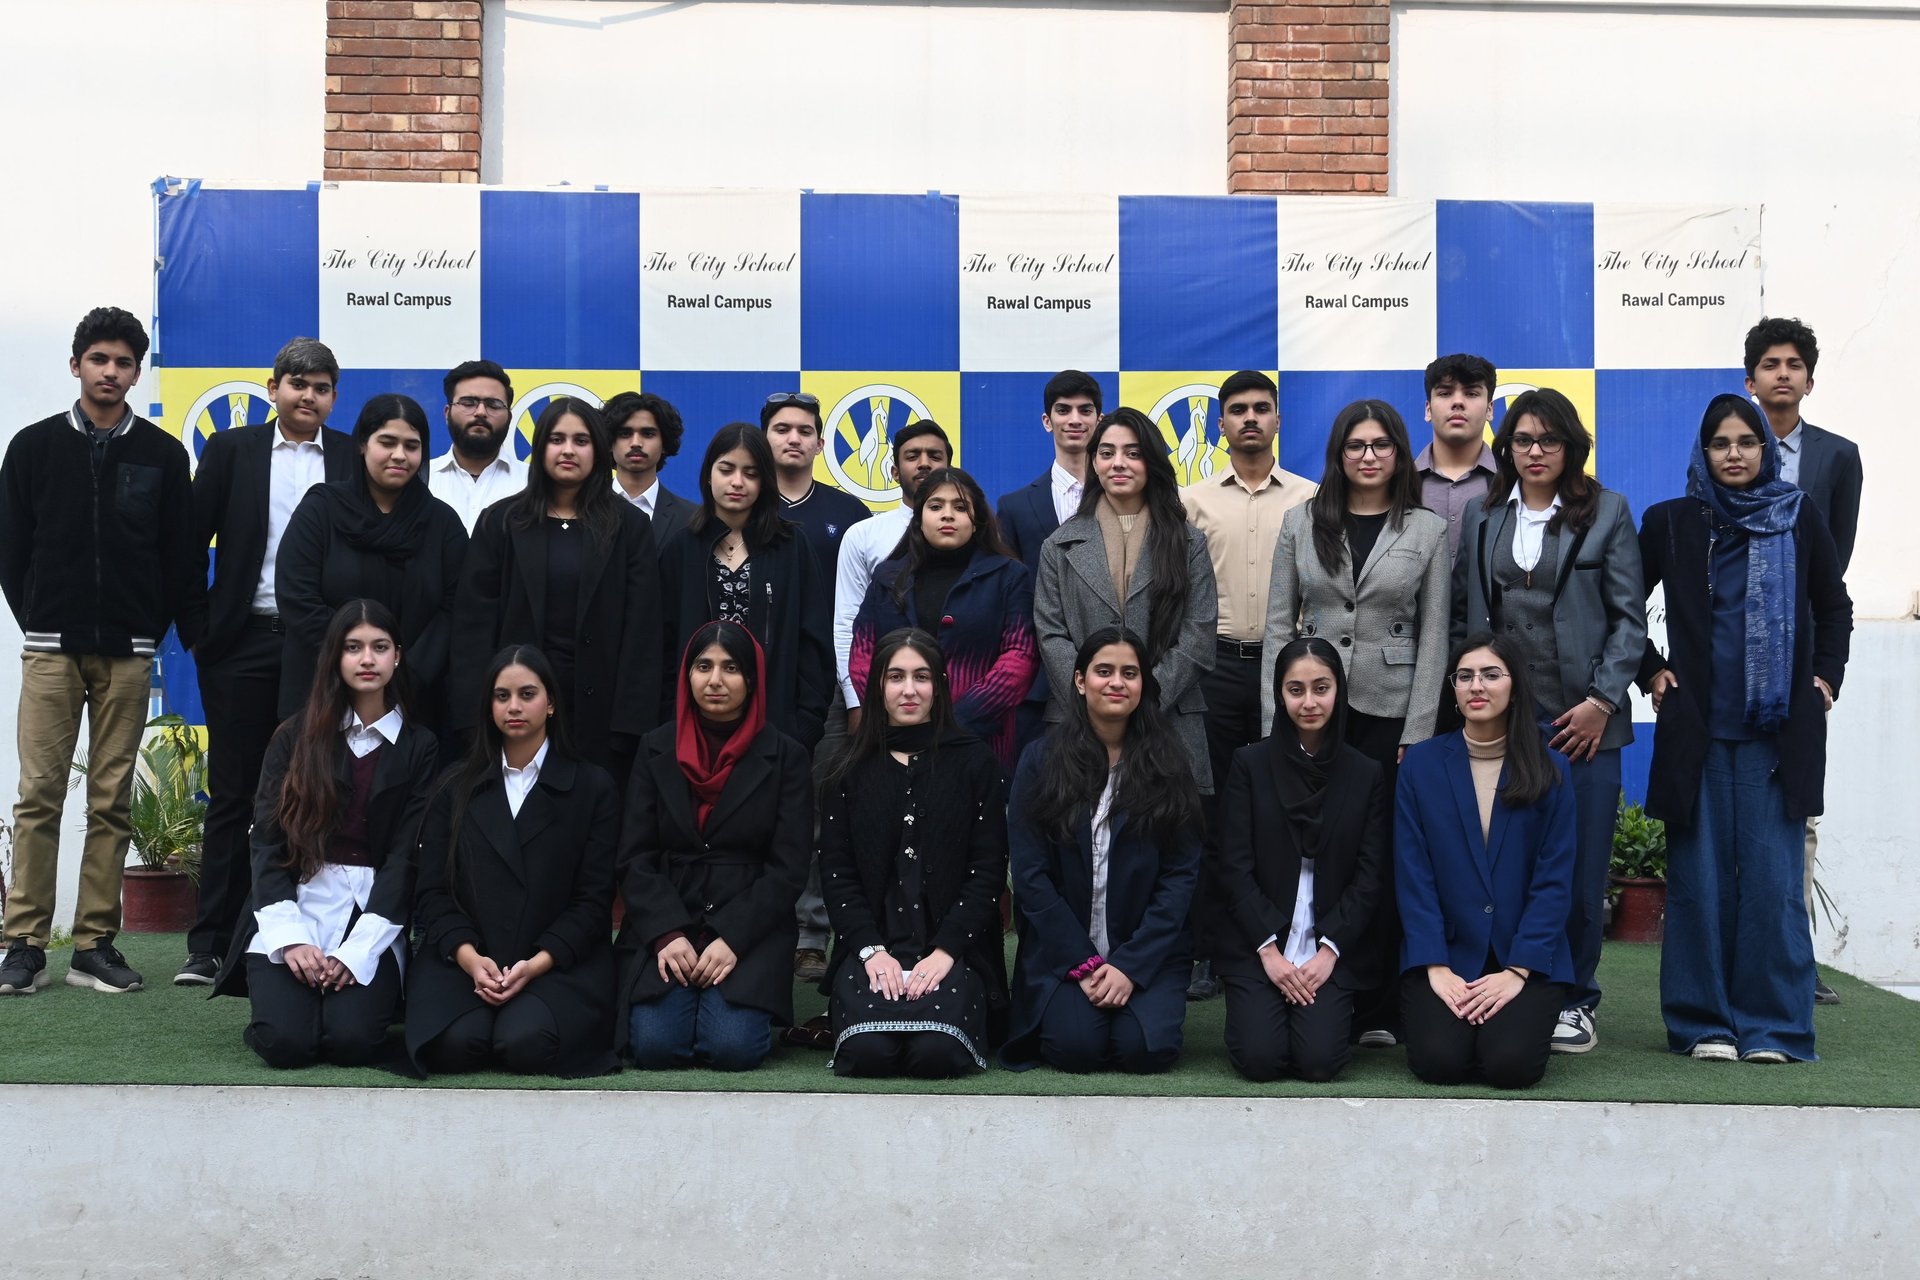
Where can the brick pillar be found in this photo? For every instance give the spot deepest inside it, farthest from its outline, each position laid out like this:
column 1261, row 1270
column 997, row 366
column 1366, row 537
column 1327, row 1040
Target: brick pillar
column 403, row 90
column 1309, row 108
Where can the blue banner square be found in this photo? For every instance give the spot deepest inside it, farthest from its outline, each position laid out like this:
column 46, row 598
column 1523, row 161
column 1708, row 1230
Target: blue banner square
column 1516, row 282
column 1198, row 283
column 1309, row 402
column 879, row 282
column 560, row 279
column 239, row 275
column 706, row 402
column 1006, row 444
column 1646, row 421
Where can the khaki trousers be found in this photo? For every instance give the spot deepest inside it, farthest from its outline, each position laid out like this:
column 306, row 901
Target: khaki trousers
column 54, row 689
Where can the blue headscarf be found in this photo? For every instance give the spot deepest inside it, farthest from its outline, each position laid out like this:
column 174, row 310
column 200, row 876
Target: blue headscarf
column 1767, row 511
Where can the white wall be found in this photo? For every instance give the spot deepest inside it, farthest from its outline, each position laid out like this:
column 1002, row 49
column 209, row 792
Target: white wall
column 978, row 97
column 101, row 97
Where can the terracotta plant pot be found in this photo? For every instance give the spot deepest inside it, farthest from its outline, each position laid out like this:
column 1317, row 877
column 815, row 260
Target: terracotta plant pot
column 1641, row 915
column 157, row 900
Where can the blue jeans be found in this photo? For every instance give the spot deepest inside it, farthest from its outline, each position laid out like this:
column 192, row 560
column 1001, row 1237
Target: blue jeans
column 1596, row 799
column 689, row 1026
column 1738, row 959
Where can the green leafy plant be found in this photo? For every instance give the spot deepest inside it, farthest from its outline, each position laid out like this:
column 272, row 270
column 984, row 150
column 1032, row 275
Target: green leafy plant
column 1639, row 844
column 169, row 808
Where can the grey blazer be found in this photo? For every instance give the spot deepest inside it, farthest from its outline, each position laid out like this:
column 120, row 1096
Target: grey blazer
column 1599, row 603
column 1073, row 597
column 1391, row 631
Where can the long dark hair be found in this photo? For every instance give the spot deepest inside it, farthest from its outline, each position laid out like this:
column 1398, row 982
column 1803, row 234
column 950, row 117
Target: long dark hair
column 765, row 526
column 1530, row 773
column 377, row 413
column 1166, row 549
column 596, row 503
column 1328, row 505
column 483, row 756
column 1321, row 650
column 309, row 801
column 914, row 548
column 870, row 739
column 1155, row 784
column 1579, row 492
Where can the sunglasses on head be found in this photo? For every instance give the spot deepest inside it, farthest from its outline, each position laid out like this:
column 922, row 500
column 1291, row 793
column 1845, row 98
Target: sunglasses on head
column 800, row 398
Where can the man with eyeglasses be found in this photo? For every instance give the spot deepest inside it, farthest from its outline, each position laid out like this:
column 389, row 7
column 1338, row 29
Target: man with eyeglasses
column 480, row 468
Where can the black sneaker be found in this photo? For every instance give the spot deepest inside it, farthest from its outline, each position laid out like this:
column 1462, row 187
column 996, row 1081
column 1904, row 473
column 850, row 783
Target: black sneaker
column 200, row 970
column 1824, row 994
column 102, row 968
column 24, row 971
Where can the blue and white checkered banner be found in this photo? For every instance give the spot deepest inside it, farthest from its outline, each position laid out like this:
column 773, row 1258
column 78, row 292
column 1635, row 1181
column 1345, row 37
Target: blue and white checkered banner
column 897, row 307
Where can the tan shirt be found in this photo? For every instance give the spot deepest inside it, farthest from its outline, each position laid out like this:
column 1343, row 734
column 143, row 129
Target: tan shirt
column 1486, row 759
column 1241, row 526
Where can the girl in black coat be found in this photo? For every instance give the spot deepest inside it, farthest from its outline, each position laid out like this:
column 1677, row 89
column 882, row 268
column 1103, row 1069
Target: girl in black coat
column 1104, row 839
column 913, row 855
column 341, row 795
column 718, row 834
column 1305, row 834
column 378, row 536
column 515, row 968
column 568, row 567
column 738, row 561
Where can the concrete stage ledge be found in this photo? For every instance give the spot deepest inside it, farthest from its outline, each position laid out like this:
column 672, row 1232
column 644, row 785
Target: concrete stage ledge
column 144, row 1181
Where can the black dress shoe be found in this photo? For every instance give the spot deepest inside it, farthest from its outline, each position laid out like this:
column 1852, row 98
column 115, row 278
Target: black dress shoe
column 1204, row 985
column 1824, row 994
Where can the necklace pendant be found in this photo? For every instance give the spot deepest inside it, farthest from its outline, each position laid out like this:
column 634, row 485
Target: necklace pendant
column 566, row 524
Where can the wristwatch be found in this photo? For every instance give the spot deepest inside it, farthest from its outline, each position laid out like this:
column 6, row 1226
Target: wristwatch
column 868, row 953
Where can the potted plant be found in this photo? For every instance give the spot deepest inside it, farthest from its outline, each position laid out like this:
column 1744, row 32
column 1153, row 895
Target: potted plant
column 1638, row 872
column 168, row 815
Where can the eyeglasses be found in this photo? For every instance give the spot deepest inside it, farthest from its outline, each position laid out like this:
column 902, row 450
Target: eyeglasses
column 1548, row 445
column 1359, row 448
column 489, row 403
column 1485, row 675
column 800, row 398
column 1720, row 448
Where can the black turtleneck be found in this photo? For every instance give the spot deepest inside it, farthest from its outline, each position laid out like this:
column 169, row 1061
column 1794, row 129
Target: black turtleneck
column 934, row 579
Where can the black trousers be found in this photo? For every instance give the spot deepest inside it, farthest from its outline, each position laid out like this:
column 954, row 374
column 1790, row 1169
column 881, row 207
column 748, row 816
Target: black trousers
column 1232, row 693
column 1508, row 1051
column 1076, row 1037
column 295, row 1025
column 520, row 1036
column 240, row 693
column 1269, row 1038
column 924, row 1055
column 1378, row 738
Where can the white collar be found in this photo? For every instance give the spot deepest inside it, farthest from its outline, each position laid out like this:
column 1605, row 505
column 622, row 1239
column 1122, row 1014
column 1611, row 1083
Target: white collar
column 282, row 441
column 447, row 462
column 387, row 726
column 1526, row 513
column 531, row 770
column 1064, row 481
column 648, row 496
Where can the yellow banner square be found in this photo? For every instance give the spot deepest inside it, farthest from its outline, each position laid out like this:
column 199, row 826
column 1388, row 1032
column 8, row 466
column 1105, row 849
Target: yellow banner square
column 534, row 389
column 862, row 413
column 1575, row 384
column 1186, row 408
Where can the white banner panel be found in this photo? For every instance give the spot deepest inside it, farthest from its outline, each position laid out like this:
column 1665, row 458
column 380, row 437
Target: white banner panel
column 1039, row 283
column 1357, row 283
column 1669, row 285
column 400, row 274
column 720, row 280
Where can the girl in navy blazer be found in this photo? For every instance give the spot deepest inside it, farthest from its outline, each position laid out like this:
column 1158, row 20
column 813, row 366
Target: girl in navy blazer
column 1104, row 840
column 1484, row 851
column 515, row 968
column 958, row 582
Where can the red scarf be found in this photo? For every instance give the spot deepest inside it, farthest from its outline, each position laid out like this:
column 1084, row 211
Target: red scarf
column 706, row 769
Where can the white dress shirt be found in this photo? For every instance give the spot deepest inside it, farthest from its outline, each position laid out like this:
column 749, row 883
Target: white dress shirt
column 520, row 781
column 1067, row 488
column 1530, row 530
column 318, row 914
column 648, row 496
column 294, row 466
column 1790, row 454
column 469, row 494
column 1102, row 849
column 862, row 548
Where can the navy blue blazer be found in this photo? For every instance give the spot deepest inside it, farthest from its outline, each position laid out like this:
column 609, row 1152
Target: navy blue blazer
column 1149, row 889
column 1027, row 520
column 1830, row 475
column 1462, row 896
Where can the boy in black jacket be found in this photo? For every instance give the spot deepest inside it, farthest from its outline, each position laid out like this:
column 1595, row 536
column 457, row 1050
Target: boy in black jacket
column 95, row 563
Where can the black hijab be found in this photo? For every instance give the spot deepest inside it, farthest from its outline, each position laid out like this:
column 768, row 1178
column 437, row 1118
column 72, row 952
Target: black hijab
column 1301, row 776
column 396, row 535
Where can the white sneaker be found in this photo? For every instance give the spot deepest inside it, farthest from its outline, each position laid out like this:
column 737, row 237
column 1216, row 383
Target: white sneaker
column 1714, row 1051
column 1574, row 1032
column 1769, row 1056
column 1378, row 1038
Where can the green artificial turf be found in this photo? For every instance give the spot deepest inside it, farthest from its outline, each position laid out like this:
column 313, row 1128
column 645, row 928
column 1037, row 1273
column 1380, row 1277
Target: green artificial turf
column 176, row 1036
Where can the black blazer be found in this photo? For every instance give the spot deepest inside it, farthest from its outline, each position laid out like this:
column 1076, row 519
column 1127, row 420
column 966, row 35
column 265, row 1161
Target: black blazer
column 1830, row 474
column 791, row 615
column 1027, row 520
column 1255, row 870
column 1674, row 550
column 960, row 836
column 738, row 877
column 616, row 630
column 539, row 881
column 670, row 512
column 1149, row 890
column 402, row 781
column 231, row 492
column 318, row 570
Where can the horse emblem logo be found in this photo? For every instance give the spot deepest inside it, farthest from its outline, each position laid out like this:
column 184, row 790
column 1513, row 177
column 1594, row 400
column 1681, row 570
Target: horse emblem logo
column 238, row 403
column 1189, row 422
column 531, row 404
column 859, row 453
